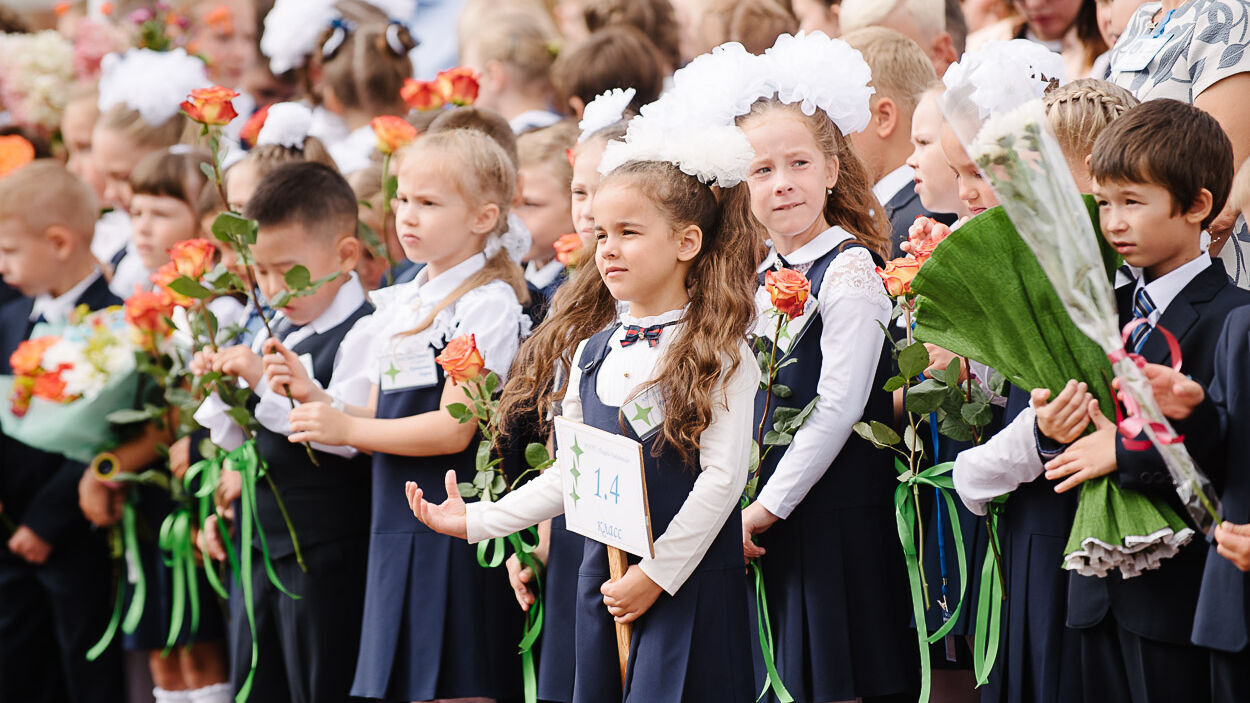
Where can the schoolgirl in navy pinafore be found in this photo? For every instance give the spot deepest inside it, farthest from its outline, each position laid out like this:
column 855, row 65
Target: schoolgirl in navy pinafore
column 666, row 664
column 834, row 570
column 436, row 624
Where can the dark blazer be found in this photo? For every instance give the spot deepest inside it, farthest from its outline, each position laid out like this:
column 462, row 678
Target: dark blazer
column 902, row 210
column 1159, row 604
column 1221, row 620
column 38, row 489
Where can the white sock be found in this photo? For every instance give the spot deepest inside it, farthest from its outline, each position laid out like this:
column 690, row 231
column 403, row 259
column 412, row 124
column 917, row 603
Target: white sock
column 216, row 693
column 163, row 696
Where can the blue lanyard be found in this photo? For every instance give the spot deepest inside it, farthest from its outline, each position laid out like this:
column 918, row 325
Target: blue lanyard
column 1163, row 25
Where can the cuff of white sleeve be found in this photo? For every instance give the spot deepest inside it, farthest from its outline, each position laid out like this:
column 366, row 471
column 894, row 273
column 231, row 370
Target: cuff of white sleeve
column 773, row 504
column 475, row 526
column 651, row 569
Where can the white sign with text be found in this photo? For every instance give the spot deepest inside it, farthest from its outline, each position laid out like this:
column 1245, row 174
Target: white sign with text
column 605, row 491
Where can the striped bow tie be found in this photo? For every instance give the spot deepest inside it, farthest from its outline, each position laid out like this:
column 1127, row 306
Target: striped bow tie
column 633, row 333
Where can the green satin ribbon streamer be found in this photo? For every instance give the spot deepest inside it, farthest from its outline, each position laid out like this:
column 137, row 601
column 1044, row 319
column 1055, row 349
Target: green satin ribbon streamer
column 989, row 603
column 493, row 547
column 201, row 481
column 534, row 616
column 905, row 518
column 765, row 627
column 129, row 539
column 179, row 556
column 248, row 462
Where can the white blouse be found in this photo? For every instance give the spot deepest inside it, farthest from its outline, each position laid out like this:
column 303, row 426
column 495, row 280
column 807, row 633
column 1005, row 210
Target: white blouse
column 724, row 451
column 852, row 306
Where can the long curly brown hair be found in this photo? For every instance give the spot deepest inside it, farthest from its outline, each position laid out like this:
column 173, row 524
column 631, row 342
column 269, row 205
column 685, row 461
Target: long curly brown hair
column 721, row 285
column 852, row 205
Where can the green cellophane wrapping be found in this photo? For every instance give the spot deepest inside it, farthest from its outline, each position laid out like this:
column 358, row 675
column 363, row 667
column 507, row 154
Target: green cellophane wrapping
column 984, row 296
column 77, row 430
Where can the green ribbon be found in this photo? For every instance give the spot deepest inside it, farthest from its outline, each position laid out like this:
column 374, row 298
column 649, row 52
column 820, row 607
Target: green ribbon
column 905, row 518
column 493, row 547
column 989, row 602
column 765, row 627
column 534, row 616
column 179, row 556
column 129, row 538
column 201, row 481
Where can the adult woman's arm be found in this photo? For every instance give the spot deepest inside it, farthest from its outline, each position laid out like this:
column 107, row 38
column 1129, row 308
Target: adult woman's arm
column 1225, row 100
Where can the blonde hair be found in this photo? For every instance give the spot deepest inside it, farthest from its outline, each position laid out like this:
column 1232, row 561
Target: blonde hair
column 901, row 70
column 483, row 175
column 929, row 15
column 130, row 124
column 1240, row 195
column 519, row 41
column 755, row 24
column 44, row 194
column 549, row 147
column 852, row 205
column 1079, row 111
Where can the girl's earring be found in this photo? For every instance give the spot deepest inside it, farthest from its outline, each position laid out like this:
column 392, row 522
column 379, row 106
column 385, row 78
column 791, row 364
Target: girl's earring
column 828, row 191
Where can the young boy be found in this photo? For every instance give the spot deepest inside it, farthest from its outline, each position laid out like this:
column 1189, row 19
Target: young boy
column 1161, row 173
column 307, row 216
column 54, row 571
column 900, row 75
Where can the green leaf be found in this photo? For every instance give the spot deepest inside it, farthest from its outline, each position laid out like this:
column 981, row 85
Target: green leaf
column 925, row 397
column 491, row 382
column 392, row 187
column 977, row 415
column 129, row 416
column 467, row 490
column 281, row 300
column 783, row 416
column 777, row 439
column 805, row 412
column 190, row 288
column 498, row 485
column 913, row 360
column 207, row 169
column 536, row 455
column 894, row 383
column 786, row 363
column 864, row 430
column 231, row 227
column 297, row 278
column 884, row 434
column 954, row 370
column 911, row 441
column 753, row 462
column 954, row 427
column 240, row 416
column 459, row 411
column 483, row 454
column 178, row 396
column 762, row 359
column 782, row 391
column 997, row 382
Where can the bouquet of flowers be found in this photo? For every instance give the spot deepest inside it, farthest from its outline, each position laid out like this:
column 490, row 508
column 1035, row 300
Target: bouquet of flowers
column 36, row 73
column 1022, row 160
column 454, row 86
column 67, row 381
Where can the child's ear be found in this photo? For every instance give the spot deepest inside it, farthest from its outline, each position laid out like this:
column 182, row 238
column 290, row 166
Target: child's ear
column 887, row 118
column 577, row 106
column 348, row 253
column 487, row 218
column 689, row 243
column 831, row 172
column 63, row 242
column 1200, row 208
column 943, row 49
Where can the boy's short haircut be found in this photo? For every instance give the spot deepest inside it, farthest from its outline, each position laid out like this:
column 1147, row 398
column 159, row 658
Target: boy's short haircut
column 478, row 119
column 1171, row 144
column 1240, row 197
column 617, row 56
column 901, row 71
column 44, row 194
column 311, row 195
column 929, row 15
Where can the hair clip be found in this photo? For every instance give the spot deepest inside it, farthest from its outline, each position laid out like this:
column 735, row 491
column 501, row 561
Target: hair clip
column 393, row 39
column 339, row 29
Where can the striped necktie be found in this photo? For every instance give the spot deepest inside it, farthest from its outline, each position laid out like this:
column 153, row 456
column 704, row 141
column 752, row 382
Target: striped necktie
column 1143, row 306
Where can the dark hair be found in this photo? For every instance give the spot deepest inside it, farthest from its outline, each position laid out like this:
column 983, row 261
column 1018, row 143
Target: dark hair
column 309, row 194
column 654, row 18
column 617, row 56
column 365, row 70
column 1171, row 144
column 956, row 26
column 479, row 119
column 174, row 174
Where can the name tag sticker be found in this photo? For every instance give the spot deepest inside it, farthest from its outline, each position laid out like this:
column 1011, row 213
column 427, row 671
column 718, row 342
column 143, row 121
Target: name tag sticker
column 1140, row 52
column 408, row 366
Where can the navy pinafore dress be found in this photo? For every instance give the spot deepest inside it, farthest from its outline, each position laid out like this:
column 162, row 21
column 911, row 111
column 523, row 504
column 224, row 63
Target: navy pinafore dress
column 556, row 654
column 436, row 624
column 693, row 647
column 834, row 572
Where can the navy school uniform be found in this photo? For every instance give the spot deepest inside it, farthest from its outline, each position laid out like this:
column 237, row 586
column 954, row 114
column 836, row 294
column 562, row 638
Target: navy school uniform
column 834, row 569
column 306, row 644
column 902, row 209
column 1135, row 633
column 51, row 614
column 1222, row 620
column 665, row 666
column 436, row 623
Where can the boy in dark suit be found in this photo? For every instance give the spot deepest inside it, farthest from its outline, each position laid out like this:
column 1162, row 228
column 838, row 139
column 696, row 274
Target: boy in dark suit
column 54, row 570
column 1161, row 172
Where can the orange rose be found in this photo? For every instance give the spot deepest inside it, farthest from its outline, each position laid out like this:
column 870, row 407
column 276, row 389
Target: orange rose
column 897, row 275
column 788, row 290
column 393, row 133
column 50, row 386
column 461, row 360
column 568, row 248
column 164, row 276
column 251, row 129
column 27, row 358
column 211, row 106
column 15, row 152
column 421, row 95
column 193, row 257
column 458, row 85
column 146, row 311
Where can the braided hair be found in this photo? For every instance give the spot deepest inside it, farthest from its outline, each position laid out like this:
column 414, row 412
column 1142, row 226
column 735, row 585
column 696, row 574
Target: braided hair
column 1080, row 110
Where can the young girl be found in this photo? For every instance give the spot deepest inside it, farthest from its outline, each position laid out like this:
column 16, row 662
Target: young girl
column 513, row 52
column 360, row 69
column 1078, row 112
column 935, row 184
column 546, row 172
column 660, row 249
column 586, row 157
column 823, row 516
column 436, row 625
